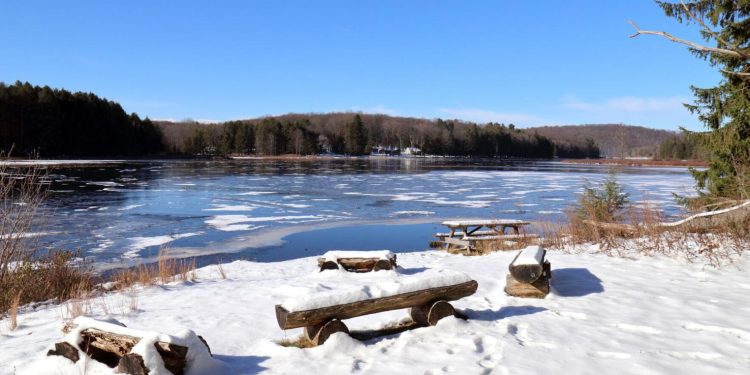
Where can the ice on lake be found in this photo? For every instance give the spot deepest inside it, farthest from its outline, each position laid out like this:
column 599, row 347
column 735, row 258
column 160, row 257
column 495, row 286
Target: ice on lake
column 121, row 212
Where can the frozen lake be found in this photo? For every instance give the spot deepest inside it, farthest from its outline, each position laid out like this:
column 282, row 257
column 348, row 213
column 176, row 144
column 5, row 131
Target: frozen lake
column 123, row 212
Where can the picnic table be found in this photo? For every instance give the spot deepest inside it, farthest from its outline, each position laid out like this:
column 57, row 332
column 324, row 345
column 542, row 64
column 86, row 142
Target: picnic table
column 495, row 227
column 466, row 234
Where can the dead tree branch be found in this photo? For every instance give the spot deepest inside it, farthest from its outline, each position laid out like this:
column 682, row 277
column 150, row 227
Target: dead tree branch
column 691, row 44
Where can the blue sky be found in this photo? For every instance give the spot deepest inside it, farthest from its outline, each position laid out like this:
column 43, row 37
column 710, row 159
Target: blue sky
column 529, row 63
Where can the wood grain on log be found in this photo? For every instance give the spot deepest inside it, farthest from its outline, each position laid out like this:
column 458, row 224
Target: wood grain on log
column 319, row 333
column 525, row 272
column 296, row 319
column 109, row 348
column 132, row 364
column 537, row 289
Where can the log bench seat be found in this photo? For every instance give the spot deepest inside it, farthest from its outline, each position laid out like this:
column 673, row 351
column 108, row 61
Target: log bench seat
column 358, row 261
column 426, row 297
column 529, row 274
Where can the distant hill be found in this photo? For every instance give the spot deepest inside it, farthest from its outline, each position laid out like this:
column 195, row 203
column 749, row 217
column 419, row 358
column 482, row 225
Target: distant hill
column 614, row 140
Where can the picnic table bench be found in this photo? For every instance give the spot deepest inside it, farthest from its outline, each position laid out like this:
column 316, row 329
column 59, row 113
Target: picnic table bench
column 425, row 297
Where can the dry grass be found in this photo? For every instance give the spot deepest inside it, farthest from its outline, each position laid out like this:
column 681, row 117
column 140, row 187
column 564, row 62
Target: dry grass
column 164, row 271
column 299, row 342
column 718, row 247
column 222, row 272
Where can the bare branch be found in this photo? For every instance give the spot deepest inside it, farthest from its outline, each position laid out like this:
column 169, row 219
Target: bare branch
column 707, row 29
column 691, row 44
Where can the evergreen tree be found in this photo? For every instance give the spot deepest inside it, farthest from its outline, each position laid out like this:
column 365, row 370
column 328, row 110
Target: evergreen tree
column 354, row 137
column 723, row 108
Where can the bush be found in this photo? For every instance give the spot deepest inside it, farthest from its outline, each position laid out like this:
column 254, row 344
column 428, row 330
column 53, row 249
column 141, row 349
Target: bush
column 603, row 202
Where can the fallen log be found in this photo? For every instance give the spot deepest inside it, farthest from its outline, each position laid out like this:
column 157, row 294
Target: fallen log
column 112, row 344
column 295, row 319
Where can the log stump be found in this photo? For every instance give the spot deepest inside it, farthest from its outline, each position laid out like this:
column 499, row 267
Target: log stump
column 318, row 334
column 429, row 314
column 537, row 289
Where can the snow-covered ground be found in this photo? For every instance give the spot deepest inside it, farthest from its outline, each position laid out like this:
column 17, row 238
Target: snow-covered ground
column 605, row 316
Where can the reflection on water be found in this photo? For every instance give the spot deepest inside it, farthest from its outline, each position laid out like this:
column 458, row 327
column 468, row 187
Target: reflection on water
column 126, row 211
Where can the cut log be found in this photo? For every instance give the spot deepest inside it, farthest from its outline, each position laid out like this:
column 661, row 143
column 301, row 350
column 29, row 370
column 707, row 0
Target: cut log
column 537, row 289
column 66, row 350
column 132, row 364
column 296, row 319
column 318, row 334
column 327, row 265
column 109, row 348
column 431, row 313
column 528, row 265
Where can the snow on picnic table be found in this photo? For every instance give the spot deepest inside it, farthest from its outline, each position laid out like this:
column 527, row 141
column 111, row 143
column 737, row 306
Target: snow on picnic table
column 605, row 316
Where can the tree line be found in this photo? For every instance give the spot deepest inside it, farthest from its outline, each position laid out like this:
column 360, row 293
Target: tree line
column 55, row 123
column 359, row 134
column 59, row 123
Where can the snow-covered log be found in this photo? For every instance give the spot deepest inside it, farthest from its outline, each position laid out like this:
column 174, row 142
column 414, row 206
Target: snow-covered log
column 130, row 351
column 358, row 261
column 309, row 318
column 527, row 266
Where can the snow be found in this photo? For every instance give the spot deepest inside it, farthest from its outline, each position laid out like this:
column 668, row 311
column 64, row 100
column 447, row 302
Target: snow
column 139, row 243
column 473, row 222
column 368, row 286
column 530, row 256
column 335, row 255
column 604, row 315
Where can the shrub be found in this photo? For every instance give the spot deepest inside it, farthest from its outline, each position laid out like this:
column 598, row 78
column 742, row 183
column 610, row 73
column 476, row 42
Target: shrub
column 603, row 202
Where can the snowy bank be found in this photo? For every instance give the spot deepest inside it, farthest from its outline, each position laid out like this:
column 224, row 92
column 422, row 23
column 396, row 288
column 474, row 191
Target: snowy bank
column 604, row 316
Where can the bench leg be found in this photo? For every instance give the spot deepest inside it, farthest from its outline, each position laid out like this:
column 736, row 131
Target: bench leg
column 431, row 313
column 318, row 334
column 328, row 265
column 382, row 264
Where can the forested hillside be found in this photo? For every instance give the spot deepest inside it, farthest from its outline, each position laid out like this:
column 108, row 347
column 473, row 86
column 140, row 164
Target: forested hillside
column 614, row 140
column 54, row 123
column 356, row 134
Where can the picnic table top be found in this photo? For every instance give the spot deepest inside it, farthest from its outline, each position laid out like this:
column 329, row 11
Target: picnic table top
column 492, row 222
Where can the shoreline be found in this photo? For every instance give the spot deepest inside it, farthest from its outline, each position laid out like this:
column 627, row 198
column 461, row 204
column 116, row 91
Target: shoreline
column 638, row 162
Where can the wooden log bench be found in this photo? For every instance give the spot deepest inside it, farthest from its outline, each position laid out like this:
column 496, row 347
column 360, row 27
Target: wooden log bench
column 427, row 306
column 112, row 344
column 529, row 274
column 358, row 261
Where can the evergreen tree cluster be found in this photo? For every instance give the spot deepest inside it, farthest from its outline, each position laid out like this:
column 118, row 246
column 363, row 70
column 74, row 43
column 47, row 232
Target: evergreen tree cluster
column 686, row 146
column 355, row 134
column 53, row 123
